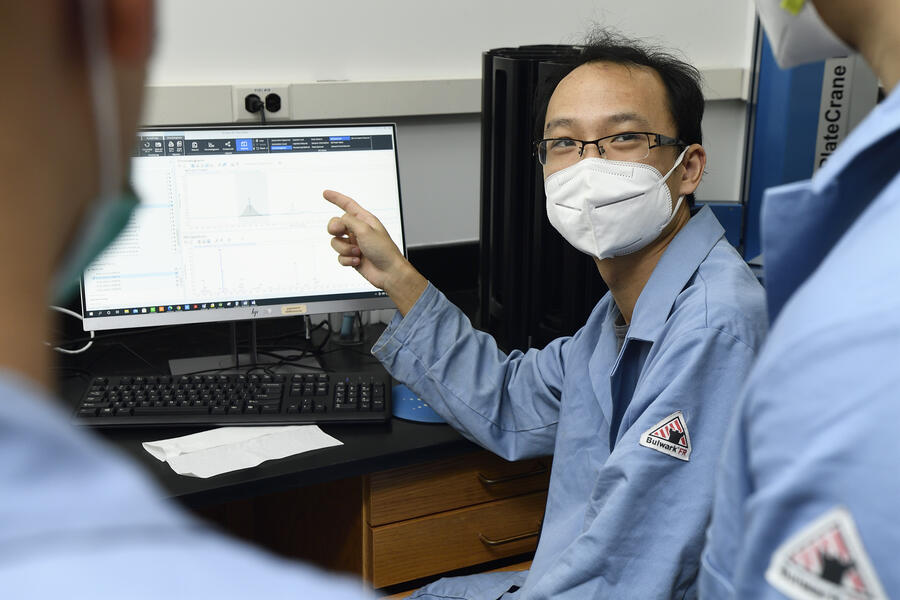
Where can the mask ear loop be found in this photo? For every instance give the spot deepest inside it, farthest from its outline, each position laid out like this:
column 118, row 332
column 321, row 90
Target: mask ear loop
column 675, row 166
column 665, row 178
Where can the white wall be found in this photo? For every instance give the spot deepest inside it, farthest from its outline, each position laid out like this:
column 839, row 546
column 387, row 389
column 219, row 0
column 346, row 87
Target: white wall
column 221, row 42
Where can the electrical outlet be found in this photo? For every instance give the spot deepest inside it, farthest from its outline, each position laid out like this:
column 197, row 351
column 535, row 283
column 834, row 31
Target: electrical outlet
column 239, row 93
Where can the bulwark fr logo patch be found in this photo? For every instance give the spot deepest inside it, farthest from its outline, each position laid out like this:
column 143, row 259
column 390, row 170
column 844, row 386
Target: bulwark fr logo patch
column 826, row 559
column 669, row 436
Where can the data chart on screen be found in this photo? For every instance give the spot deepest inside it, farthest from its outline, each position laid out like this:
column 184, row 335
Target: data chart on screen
column 235, row 218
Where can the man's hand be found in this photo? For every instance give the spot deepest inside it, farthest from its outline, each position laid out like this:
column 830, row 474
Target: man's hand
column 363, row 243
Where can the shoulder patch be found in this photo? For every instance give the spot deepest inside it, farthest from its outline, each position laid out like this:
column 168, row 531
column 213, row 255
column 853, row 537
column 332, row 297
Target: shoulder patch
column 825, row 559
column 669, row 436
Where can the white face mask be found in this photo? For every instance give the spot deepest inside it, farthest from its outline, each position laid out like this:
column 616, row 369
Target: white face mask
column 797, row 33
column 609, row 208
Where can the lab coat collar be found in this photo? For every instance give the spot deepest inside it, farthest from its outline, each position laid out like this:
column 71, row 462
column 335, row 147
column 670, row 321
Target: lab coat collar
column 879, row 124
column 675, row 268
column 802, row 221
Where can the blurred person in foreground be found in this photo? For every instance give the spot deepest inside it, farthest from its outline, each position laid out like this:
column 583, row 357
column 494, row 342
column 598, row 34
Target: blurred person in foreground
column 77, row 520
column 807, row 495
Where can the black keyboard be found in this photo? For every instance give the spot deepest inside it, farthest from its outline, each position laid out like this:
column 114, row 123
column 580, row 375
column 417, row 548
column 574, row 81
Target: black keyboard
column 198, row 400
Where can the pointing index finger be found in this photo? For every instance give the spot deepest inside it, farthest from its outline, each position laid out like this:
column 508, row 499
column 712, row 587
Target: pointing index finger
column 345, row 203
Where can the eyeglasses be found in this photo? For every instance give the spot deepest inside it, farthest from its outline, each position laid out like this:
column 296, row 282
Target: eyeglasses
column 629, row 146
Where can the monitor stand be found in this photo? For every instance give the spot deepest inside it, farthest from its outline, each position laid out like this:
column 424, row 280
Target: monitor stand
column 223, row 363
column 212, row 364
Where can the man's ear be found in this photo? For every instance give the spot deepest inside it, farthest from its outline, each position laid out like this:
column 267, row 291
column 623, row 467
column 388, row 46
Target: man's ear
column 130, row 27
column 694, row 164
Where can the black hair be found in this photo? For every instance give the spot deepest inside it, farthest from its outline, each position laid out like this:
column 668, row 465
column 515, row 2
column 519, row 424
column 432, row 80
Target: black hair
column 681, row 80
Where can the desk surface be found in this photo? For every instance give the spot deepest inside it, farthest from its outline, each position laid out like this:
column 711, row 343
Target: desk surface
column 367, row 448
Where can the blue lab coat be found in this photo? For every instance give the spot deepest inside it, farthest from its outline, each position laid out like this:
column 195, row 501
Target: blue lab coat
column 77, row 520
column 622, row 520
column 815, row 441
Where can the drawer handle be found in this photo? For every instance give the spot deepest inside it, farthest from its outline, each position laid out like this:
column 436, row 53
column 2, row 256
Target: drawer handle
column 524, row 536
column 488, row 481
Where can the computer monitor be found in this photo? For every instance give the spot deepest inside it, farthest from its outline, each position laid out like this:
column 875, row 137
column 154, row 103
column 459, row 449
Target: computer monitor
column 232, row 225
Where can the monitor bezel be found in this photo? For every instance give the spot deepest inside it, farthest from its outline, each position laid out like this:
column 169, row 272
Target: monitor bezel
column 258, row 311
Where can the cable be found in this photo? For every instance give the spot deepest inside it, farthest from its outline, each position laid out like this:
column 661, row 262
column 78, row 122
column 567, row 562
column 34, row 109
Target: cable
column 292, row 360
column 102, row 337
column 66, row 311
column 134, row 353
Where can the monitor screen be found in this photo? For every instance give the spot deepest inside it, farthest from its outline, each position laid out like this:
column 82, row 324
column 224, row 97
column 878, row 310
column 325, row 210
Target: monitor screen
column 232, row 225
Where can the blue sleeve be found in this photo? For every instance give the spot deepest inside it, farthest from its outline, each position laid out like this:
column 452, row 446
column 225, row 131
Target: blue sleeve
column 631, row 547
column 141, row 564
column 817, row 433
column 80, row 520
column 723, row 538
column 508, row 404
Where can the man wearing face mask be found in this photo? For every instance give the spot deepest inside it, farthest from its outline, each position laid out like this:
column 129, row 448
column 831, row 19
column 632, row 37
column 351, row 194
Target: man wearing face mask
column 634, row 406
column 76, row 519
column 807, row 495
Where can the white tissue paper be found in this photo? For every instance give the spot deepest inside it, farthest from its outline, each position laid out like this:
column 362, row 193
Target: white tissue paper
column 227, row 449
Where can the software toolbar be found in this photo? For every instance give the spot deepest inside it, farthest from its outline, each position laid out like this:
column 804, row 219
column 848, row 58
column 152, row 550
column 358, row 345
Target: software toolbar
column 179, row 145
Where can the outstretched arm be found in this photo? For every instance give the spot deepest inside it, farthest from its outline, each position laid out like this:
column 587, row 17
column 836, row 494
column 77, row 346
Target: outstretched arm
column 507, row 403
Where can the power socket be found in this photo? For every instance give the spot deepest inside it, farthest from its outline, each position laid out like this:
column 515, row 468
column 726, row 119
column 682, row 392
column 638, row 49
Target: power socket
column 240, row 113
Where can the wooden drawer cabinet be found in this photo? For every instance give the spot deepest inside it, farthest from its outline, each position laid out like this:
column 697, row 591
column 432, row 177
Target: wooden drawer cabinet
column 402, row 524
column 454, row 539
column 410, row 492
column 450, row 514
